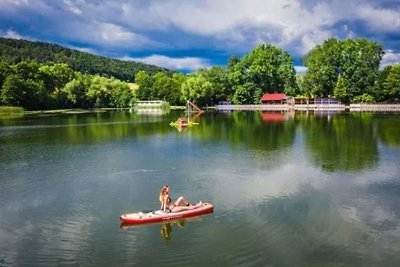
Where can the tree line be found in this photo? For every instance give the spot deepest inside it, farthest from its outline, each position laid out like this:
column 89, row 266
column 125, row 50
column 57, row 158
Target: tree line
column 40, row 86
column 14, row 51
column 344, row 69
column 347, row 70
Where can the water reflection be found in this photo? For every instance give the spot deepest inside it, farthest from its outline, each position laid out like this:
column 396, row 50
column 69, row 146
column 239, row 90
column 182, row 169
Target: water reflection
column 342, row 142
column 276, row 116
column 303, row 191
column 165, row 227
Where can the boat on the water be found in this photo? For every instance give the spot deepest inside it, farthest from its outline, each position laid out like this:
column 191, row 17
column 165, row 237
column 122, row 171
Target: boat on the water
column 142, row 217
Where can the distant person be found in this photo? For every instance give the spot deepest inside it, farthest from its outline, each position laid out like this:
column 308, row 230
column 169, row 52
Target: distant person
column 180, row 204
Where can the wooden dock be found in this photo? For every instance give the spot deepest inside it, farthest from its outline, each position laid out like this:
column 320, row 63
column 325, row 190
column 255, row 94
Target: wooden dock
column 374, row 107
column 313, row 107
column 283, row 107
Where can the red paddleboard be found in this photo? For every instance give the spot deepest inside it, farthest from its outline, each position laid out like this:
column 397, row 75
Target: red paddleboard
column 160, row 216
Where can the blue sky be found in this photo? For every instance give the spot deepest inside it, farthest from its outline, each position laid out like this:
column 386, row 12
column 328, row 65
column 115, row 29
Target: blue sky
column 189, row 34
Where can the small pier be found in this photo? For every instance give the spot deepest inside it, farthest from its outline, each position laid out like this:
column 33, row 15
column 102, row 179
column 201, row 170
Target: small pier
column 313, row 107
column 375, row 107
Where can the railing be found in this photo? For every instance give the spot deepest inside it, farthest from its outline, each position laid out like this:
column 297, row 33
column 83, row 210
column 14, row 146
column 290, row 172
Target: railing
column 320, row 107
column 149, row 103
column 254, row 107
column 374, row 107
column 316, row 107
column 283, row 107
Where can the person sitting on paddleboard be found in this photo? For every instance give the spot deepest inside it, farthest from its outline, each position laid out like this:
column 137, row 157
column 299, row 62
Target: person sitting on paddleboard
column 180, row 204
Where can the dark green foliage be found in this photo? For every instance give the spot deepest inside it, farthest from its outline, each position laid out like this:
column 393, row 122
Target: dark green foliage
column 33, row 86
column 14, row 51
column 265, row 69
column 217, row 76
column 392, row 83
column 345, row 69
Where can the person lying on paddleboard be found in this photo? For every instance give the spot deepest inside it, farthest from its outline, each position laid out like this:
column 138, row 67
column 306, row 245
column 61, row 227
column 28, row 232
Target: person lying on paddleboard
column 180, row 204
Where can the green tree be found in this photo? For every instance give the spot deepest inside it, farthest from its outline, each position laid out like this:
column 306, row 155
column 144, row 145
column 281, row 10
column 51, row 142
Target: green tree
column 175, row 97
column 341, row 89
column 25, row 93
column 266, row 67
column 380, row 92
column 145, row 82
column 14, row 51
column 197, row 89
column 392, row 83
column 164, row 87
column 244, row 94
column 323, row 67
column 217, row 76
column 4, row 72
column 355, row 60
column 121, row 95
column 98, row 93
column 12, row 91
column 75, row 91
column 56, row 75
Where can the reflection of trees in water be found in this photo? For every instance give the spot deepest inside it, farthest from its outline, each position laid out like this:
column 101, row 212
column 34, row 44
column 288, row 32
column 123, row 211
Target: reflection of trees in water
column 342, row 142
column 389, row 128
column 246, row 128
column 337, row 142
column 166, row 229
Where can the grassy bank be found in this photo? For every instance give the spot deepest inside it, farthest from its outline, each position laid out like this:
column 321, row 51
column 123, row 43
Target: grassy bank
column 10, row 110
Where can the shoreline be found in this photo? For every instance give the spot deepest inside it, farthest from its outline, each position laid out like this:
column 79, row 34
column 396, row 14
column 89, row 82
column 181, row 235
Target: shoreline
column 313, row 107
column 261, row 107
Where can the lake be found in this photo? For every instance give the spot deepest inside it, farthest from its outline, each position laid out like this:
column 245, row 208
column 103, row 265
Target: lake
column 289, row 189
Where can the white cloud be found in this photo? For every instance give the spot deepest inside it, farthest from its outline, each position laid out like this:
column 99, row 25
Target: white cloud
column 380, row 19
column 12, row 34
column 107, row 35
column 15, row 35
column 17, row 2
column 246, row 23
column 71, row 7
column 235, row 26
column 300, row 69
column 390, row 57
column 185, row 63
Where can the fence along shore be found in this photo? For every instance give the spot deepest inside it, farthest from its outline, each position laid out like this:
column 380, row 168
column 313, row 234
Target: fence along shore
column 304, row 107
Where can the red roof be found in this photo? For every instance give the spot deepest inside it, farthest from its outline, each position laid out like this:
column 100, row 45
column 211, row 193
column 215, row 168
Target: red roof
column 273, row 97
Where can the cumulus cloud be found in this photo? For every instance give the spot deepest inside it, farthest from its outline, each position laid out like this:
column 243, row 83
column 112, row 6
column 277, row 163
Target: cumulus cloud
column 390, row 57
column 12, row 34
column 15, row 35
column 230, row 26
column 300, row 69
column 380, row 19
column 71, row 7
column 185, row 63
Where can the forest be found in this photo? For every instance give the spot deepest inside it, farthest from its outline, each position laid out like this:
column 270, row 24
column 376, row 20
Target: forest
column 13, row 51
column 348, row 70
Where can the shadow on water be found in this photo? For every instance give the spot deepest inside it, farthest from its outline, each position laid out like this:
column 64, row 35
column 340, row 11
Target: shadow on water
column 165, row 227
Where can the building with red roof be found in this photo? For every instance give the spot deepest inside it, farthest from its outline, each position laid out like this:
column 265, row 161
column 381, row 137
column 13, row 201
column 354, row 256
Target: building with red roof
column 273, row 98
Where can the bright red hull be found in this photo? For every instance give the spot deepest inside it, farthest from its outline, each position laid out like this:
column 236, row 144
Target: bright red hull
column 157, row 216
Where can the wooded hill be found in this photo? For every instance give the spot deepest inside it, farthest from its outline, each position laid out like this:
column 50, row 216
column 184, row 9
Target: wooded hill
column 14, row 51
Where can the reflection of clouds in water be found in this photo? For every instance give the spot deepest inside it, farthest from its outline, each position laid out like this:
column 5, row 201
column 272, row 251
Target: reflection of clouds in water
column 339, row 213
column 71, row 233
column 369, row 201
column 237, row 187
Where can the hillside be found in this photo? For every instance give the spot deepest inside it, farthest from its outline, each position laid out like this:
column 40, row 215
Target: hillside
column 13, row 51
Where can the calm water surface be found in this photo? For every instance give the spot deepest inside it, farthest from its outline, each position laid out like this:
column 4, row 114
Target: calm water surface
column 288, row 189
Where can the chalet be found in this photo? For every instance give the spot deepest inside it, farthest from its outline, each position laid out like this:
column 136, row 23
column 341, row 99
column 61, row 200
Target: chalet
column 274, row 98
